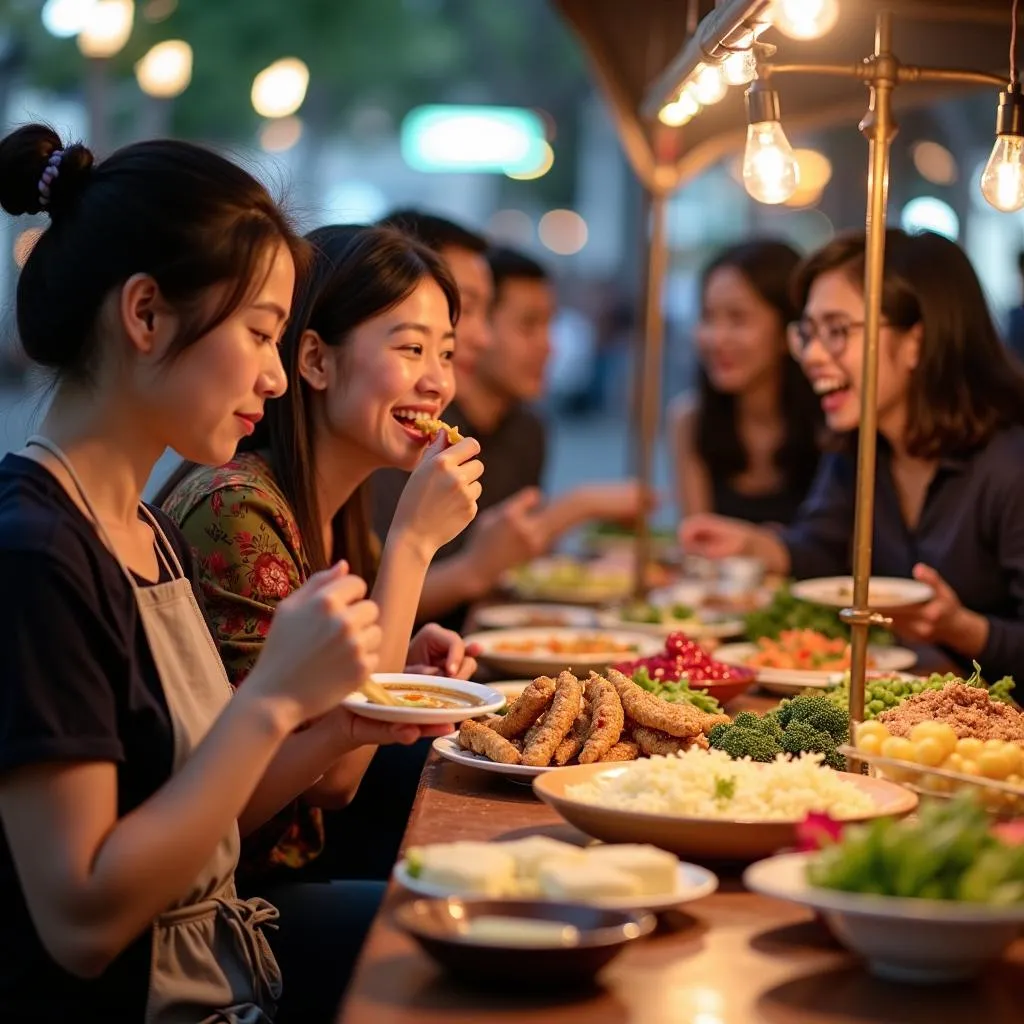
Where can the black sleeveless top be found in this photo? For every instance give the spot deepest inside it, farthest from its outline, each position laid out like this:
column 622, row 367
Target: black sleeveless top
column 774, row 507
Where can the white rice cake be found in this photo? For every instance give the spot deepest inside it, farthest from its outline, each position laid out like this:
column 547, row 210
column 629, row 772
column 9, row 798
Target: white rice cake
column 656, row 870
column 464, row 869
column 533, row 851
column 583, row 881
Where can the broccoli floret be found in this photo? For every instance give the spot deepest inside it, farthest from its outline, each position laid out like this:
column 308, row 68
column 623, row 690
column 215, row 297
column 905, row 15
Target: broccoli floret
column 739, row 742
column 770, row 724
column 748, row 720
column 718, row 731
column 821, row 713
column 784, row 712
column 803, row 738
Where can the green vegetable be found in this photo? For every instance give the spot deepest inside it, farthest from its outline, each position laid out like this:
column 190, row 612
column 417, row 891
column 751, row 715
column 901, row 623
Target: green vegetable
column 682, row 612
column 739, row 742
column 820, row 713
column 725, row 789
column 803, row 738
column 947, row 853
column 890, row 691
column 805, row 724
column 677, row 691
column 787, row 612
column 640, row 612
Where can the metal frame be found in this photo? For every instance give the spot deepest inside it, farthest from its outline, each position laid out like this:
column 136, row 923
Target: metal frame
column 882, row 72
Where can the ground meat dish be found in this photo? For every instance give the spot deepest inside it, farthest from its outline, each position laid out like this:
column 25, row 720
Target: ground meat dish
column 968, row 709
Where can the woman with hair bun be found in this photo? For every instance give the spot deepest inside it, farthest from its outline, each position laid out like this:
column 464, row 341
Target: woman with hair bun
column 156, row 298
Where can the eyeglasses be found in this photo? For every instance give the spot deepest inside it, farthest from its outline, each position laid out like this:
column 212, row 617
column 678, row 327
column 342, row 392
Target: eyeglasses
column 834, row 336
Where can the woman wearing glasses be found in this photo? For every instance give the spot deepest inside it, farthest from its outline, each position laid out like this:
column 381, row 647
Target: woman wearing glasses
column 949, row 506
column 746, row 445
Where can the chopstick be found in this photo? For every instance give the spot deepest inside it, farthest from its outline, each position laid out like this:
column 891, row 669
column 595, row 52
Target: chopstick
column 376, row 694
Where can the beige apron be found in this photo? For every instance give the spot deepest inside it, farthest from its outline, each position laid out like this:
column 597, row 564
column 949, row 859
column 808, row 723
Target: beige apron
column 211, row 962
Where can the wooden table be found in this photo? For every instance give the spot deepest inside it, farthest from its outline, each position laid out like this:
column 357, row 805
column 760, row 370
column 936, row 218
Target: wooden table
column 733, row 958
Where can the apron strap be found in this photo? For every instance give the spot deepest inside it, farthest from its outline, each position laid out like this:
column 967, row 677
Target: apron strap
column 164, row 548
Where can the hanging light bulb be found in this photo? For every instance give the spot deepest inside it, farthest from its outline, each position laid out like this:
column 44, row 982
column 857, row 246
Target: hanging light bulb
column 707, row 85
column 770, row 170
column 1002, row 181
column 805, row 19
column 679, row 111
column 739, row 68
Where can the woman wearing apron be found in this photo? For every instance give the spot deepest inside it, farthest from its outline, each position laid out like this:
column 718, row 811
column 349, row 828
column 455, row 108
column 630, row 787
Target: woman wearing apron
column 156, row 297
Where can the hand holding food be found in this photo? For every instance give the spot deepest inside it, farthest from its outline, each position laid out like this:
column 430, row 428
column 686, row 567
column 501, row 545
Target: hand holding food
column 322, row 645
column 433, row 427
column 440, row 499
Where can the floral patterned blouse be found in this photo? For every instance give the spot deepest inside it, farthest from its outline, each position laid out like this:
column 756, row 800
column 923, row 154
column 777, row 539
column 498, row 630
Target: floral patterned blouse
column 250, row 557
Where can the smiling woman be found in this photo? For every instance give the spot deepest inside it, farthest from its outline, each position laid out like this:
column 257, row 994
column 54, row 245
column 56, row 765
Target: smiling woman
column 368, row 349
column 747, row 445
column 949, row 493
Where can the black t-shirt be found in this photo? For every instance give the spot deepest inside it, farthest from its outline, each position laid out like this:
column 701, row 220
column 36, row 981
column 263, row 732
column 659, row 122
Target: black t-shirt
column 77, row 683
column 513, row 457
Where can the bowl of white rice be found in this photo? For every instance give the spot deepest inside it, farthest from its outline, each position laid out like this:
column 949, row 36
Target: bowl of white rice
column 703, row 804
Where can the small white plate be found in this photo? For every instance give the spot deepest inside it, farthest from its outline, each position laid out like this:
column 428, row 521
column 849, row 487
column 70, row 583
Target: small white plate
column 546, row 662
column 473, row 699
column 885, row 593
column 522, row 616
column 903, row 939
column 448, row 748
column 695, row 629
column 693, row 883
column 786, row 681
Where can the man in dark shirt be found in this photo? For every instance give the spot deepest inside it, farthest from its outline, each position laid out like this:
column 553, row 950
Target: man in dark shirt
column 492, row 405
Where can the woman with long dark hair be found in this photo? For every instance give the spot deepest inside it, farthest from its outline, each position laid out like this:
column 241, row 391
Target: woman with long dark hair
column 369, row 348
column 949, row 505
column 155, row 298
column 746, row 445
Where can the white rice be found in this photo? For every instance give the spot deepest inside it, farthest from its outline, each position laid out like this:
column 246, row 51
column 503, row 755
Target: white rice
column 684, row 785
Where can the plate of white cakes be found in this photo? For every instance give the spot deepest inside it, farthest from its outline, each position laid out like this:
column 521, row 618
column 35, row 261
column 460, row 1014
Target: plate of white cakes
column 609, row 876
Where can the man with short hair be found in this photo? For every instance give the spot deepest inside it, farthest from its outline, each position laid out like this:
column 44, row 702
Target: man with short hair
column 494, row 387
column 465, row 253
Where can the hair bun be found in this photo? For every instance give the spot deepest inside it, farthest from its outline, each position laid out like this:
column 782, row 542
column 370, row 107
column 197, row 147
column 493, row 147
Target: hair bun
column 25, row 155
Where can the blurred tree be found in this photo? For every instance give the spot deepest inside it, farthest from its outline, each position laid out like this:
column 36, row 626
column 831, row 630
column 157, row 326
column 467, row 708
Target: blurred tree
column 387, row 55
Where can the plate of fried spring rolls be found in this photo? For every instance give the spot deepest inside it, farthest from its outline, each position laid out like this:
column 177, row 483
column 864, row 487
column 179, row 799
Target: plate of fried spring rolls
column 563, row 721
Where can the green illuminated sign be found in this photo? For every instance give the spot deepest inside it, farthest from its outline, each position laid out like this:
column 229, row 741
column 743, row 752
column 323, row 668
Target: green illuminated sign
column 489, row 140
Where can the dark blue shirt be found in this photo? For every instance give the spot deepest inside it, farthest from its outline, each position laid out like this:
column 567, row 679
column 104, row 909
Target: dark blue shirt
column 971, row 532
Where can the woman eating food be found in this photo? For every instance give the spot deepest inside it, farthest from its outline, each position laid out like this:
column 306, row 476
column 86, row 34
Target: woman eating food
column 949, row 502
column 747, row 445
column 368, row 354
column 155, row 298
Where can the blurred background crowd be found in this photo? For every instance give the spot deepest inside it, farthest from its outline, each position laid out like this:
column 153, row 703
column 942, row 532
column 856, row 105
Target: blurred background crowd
column 349, row 110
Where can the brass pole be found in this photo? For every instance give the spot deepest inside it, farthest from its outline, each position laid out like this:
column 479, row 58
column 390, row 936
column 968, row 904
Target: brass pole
column 648, row 370
column 880, row 128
